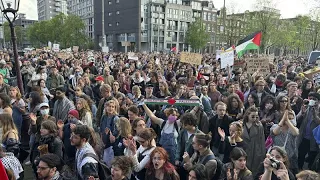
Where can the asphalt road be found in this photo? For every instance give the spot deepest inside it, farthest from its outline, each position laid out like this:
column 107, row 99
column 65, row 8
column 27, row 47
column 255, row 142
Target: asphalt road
column 28, row 172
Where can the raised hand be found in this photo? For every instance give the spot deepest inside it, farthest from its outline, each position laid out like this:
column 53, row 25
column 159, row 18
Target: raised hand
column 221, row 133
column 282, row 172
column 72, row 126
column 133, row 146
column 33, row 118
column 235, row 175
column 60, row 124
column 112, row 138
column 229, row 176
column 186, row 157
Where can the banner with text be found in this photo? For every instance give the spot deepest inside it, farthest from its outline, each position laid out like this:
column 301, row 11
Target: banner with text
column 191, row 58
column 227, row 58
column 261, row 64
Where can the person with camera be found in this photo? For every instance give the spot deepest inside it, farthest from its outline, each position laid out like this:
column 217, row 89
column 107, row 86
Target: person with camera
column 275, row 166
column 308, row 119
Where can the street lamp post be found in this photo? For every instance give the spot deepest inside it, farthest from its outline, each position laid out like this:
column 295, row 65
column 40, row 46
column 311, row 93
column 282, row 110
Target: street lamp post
column 6, row 13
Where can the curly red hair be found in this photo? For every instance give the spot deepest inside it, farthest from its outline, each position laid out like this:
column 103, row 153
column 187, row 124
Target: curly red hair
column 167, row 166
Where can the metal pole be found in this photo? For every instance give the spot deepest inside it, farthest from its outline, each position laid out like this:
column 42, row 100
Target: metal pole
column 224, row 20
column 126, row 40
column 4, row 39
column 103, row 30
column 16, row 60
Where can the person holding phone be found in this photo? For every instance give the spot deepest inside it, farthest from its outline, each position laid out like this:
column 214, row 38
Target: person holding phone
column 308, row 119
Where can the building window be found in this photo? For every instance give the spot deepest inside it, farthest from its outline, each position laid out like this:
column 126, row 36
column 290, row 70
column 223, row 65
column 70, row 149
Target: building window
column 109, row 24
column 109, row 2
column 117, row 1
column 117, row 23
column 117, row 12
column 110, row 13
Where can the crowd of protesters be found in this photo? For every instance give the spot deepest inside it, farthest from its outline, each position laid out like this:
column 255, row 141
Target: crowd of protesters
column 87, row 116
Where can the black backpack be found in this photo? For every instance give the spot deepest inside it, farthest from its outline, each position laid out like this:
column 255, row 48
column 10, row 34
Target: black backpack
column 103, row 170
column 219, row 165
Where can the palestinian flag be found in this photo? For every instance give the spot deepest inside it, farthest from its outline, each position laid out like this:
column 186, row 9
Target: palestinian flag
column 171, row 101
column 250, row 42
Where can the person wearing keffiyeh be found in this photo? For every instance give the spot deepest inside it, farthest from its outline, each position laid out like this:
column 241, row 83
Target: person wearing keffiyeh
column 63, row 105
column 49, row 167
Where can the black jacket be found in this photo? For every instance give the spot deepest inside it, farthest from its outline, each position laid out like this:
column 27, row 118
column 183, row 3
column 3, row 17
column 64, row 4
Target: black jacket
column 223, row 123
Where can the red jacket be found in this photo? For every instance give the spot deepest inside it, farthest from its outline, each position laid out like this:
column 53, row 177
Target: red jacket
column 3, row 173
column 241, row 96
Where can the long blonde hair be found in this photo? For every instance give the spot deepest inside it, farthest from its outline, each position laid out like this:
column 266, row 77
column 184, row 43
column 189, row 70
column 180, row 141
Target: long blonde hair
column 7, row 125
column 116, row 104
column 85, row 107
column 124, row 127
column 166, row 88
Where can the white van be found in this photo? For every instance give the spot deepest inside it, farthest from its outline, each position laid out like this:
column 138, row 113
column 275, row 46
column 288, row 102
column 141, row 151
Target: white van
column 313, row 57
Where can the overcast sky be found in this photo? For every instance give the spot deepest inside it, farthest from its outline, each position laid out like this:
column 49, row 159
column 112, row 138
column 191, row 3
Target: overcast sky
column 288, row 8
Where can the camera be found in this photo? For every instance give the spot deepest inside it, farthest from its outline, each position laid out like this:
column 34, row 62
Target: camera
column 275, row 164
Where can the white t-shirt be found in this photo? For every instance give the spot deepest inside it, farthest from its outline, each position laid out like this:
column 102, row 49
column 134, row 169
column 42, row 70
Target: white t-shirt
column 169, row 128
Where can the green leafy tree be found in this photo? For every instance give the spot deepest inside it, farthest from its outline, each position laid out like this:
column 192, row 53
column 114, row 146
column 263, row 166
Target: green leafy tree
column 265, row 18
column 315, row 28
column 7, row 33
column 285, row 35
column 68, row 31
column 302, row 39
column 196, row 35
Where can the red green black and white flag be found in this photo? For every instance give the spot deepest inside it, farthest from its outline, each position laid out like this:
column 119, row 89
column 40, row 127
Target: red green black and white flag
column 252, row 41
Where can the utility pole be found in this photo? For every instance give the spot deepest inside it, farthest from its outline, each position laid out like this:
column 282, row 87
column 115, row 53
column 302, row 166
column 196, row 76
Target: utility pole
column 4, row 40
column 224, row 21
column 103, row 30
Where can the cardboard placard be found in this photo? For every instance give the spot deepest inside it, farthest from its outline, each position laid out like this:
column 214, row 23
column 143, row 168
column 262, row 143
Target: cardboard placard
column 309, row 74
column 227, row 58
column 63, row 55
column 262, row 63
column 125, row 43
column 271, row 58
column 191, row 58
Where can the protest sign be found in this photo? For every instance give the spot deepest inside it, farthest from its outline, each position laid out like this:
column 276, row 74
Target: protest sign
column 227, row 58
column 125, row 43
column 63, row 55
column 262, row 63
column 75, row 48
column 310, row 73
column 105, row 49
column 316, row 78
column 158, row 61
column 56, row 47
column 218, row 52
column 171, row 101
column 191, row 58
column 271, row 58
column 132, row 56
